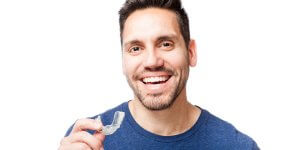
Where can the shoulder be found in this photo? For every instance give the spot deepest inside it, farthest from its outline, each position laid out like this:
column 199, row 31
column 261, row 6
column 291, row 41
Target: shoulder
column 226, row 135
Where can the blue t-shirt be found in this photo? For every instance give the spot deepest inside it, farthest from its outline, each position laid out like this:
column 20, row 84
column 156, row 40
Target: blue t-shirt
column 208, row 133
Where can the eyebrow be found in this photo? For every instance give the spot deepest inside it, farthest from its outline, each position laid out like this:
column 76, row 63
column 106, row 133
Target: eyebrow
column 132, row 42
column 160, row 38
column 167, row 37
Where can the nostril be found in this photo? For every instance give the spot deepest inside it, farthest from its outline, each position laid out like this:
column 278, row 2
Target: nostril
column 153, row 59
column 153, row 63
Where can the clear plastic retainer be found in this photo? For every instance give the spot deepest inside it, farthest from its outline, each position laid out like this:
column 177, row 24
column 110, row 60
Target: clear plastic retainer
column 116, row 123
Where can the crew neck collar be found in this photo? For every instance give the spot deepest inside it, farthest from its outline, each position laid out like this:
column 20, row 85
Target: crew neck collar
column 200, row 121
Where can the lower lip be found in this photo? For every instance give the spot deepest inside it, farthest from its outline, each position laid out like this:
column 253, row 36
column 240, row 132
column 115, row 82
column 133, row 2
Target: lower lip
column 156, row 88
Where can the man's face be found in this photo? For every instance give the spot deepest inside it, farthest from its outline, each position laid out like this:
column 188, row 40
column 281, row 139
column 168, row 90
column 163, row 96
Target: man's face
column 155, row 58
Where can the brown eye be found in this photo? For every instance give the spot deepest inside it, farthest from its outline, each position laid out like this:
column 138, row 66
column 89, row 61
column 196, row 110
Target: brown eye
column 166, row 45
column 134, row 50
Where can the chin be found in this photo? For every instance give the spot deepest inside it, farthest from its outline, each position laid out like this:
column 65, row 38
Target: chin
column 157, row 102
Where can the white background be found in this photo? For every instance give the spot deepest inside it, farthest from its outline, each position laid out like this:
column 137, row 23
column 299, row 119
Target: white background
column 60, row 60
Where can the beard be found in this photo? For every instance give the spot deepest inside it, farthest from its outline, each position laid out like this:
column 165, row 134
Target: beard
column 163, row 100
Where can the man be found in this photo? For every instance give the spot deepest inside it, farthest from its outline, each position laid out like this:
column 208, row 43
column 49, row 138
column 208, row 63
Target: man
column 157, row 52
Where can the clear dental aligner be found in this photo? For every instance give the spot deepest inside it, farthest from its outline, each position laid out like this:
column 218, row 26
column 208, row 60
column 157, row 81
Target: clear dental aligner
column 116, row 123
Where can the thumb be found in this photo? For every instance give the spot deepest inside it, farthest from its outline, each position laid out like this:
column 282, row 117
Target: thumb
column 98, row 134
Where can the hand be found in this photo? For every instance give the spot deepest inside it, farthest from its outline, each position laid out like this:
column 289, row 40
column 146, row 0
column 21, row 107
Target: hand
column 79, row 139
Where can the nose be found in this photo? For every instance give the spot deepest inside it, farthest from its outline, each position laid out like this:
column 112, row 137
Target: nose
column 153, row 60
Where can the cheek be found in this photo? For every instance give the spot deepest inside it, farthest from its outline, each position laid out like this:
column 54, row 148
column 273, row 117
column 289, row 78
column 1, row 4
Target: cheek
column 177, row 60
column 130, row 65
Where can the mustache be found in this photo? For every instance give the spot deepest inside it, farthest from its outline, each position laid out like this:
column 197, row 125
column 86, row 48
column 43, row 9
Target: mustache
column 152, row 70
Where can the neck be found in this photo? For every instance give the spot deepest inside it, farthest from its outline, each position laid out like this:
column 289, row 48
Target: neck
column 176, row 119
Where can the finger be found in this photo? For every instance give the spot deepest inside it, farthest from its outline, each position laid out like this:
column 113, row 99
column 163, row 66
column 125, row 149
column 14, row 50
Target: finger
column 86, row 124
column 75, row 146
column 79, row 146
column 86, row 138
column 64, row 141
column 99, row 135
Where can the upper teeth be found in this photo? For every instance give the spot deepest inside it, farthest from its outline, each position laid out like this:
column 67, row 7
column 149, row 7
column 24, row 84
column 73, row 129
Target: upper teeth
column 155, row 79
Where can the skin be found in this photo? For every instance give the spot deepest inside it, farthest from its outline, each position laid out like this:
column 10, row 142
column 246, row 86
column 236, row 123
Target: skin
column 79, row 139
column 153, row 46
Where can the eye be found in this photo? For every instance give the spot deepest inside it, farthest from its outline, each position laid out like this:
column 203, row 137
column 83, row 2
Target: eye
column 134, row 49
column 166, row 45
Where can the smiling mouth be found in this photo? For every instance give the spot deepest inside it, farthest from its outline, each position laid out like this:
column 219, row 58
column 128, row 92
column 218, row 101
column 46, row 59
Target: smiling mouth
column 156, row 80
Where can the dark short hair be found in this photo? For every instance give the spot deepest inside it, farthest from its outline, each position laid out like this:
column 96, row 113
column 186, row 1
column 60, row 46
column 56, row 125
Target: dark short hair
column 173, row 5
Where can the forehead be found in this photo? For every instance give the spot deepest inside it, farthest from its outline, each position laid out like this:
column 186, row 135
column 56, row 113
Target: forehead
column 150, row 23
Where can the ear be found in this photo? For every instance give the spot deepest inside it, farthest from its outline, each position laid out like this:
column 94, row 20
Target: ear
column 192, row 53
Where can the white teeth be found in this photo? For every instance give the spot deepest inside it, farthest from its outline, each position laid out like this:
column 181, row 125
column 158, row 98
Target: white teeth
column 155, row 79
